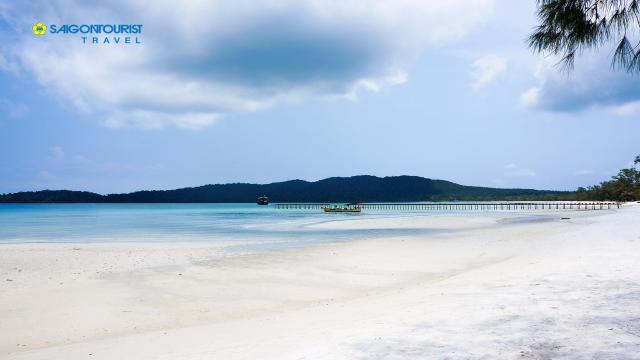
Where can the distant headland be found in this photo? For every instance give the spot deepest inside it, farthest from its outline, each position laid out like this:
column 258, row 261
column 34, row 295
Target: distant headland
column 335, row 189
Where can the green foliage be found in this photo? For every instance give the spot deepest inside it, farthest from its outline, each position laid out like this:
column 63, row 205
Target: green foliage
column 51, row 196
column 567, row 27
column 337, row 189
column 623, row 187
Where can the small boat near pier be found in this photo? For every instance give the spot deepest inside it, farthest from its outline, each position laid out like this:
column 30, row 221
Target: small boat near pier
column 343, row 208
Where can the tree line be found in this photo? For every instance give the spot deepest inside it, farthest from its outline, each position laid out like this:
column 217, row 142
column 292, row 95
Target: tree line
column 625, row 186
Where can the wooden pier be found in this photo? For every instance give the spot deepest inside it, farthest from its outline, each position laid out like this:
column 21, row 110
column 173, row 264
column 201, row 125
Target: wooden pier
column 450, row 206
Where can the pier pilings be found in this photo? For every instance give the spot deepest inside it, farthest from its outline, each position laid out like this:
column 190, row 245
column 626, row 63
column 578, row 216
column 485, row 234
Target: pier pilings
column 450, row 206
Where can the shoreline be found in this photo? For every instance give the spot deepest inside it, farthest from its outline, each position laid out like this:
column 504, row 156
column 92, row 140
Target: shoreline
column 178, row 300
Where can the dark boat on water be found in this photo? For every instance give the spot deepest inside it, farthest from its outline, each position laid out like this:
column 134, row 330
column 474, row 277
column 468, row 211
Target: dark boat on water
column 263, row 200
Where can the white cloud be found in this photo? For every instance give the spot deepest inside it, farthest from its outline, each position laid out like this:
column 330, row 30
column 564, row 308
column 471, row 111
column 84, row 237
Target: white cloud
column 8, row 66
column 56, row 154
column 627, row 109
column 530, row 98
column 158, row 120
column 45, row 176
column 513, row 170
column 12, row 109
column 59, row 161
column 376, row 85
column 485, row 69
column 592, row 84
column 202, row 60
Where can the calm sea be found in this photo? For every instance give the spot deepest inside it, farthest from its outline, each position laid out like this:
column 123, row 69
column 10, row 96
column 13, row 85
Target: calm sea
column 249, row 226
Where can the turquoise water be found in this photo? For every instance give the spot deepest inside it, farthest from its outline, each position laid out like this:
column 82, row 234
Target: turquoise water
column 248, row 225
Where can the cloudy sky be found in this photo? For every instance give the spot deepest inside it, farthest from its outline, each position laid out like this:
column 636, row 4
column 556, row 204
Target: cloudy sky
column 270, row 90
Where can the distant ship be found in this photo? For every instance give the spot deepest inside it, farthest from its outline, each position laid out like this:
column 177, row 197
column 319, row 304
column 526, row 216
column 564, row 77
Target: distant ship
column 263, row 200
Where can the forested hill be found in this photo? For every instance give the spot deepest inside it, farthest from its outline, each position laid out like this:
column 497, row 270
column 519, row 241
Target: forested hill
column 336, row 189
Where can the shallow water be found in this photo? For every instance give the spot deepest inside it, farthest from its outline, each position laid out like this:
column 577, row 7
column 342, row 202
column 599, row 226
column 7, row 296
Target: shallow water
column 246, row 226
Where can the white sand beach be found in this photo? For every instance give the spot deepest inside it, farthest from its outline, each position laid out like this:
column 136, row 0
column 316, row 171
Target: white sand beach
column 483, row 288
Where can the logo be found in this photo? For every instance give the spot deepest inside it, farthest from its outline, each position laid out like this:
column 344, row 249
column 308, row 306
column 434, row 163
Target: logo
column 94, row 34
column 39, row 29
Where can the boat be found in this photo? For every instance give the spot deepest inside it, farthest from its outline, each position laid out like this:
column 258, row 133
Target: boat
column 343, row 208
column 263, row 200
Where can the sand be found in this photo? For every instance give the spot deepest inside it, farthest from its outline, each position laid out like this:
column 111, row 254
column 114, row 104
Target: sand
column 480, row 287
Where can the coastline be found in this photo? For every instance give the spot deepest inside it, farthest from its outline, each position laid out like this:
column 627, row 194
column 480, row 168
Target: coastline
column 561, row 288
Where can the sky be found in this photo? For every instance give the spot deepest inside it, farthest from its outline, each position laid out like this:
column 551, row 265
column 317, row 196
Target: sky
column 270, row 90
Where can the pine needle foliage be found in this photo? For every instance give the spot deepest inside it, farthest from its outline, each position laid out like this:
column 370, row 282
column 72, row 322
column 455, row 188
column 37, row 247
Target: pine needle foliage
column 568, row 27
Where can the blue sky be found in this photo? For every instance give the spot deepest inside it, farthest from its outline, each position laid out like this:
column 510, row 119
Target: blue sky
column 262, row 91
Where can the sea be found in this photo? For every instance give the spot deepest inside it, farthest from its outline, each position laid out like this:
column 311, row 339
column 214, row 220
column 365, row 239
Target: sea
column 246, row 227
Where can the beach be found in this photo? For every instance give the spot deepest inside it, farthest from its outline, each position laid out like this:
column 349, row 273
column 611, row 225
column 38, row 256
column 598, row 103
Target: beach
column 563, row 284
